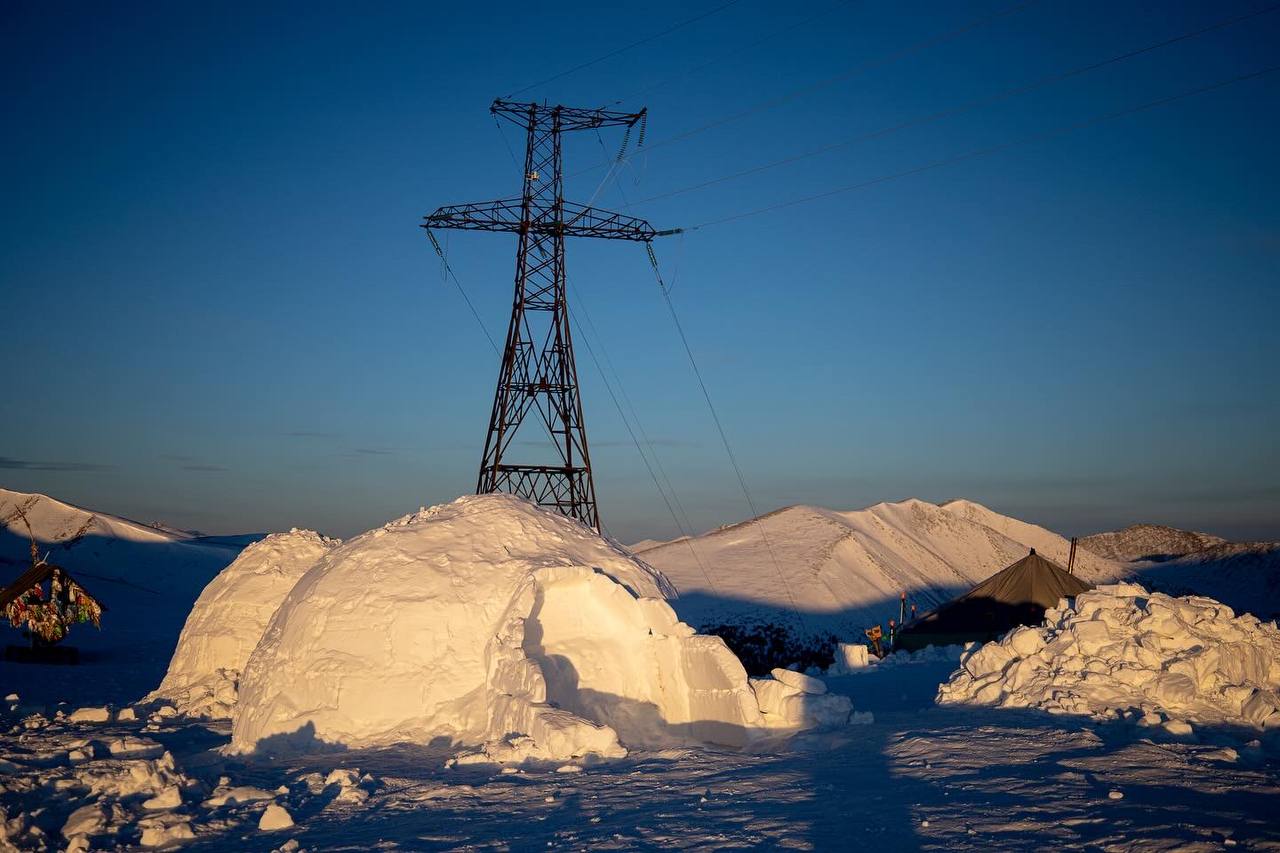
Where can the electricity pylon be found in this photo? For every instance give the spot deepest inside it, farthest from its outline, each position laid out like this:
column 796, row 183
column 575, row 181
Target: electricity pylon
column 538, row 370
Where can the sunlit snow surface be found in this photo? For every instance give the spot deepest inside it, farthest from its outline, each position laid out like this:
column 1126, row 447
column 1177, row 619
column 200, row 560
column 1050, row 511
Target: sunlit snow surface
column 982, row 779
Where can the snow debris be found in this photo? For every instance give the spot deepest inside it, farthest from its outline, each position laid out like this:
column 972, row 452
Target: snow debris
column 225, row 794
column 90, row 715
column 785, row 705
column 164, row 830
column 1118, row 648
column 803, row 683
column 274, row 818
column 86, row 820
column 228, row 620
column 352, row 786
column 543, row 642
column 169, row 798
column 130, row 746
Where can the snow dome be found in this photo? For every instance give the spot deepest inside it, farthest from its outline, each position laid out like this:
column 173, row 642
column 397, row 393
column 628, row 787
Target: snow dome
column 229, row 618
column 488, row 620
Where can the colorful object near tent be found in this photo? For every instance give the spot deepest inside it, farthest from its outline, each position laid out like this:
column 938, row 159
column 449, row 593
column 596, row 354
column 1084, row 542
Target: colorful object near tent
column 1016, row 595
column 48, row 602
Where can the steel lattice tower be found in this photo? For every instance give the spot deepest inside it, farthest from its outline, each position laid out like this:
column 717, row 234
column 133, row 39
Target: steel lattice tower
column 538, row 370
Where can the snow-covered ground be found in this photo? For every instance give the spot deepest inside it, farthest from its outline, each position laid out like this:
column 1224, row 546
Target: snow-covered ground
column 100, row 773
column 920, row 777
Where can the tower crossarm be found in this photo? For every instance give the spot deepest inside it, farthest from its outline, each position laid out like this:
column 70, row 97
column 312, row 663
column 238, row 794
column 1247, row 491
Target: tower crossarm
column 529, row 115
column 573, row 220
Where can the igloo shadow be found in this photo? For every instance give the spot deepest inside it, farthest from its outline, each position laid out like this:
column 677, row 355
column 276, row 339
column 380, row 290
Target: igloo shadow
column 301, row 741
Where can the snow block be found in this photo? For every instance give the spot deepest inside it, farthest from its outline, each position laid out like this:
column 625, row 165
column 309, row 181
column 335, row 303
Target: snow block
column 800, row 681
column 850, row 656
column 90, row 715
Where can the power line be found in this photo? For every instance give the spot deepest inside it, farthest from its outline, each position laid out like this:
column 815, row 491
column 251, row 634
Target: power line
column 621, row 50
column 787, row 97
column 643, row 458
column 962, row 108
column 465, row 298
column 982, row 152
column 724, row 438
column 772, row 34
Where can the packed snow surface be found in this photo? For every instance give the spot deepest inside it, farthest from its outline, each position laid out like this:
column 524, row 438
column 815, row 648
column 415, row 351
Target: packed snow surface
column 1121, row 650
column 490, row 621
column 229, row 618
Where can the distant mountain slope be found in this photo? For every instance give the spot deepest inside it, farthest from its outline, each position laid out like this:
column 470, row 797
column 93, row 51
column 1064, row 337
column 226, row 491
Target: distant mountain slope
column 1244, row 575
column 146, row 576
column 1092, row 566
column 845, row 570
column 1148, row 542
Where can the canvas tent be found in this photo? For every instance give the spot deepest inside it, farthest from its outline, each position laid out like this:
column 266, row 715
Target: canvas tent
column 1017, row 595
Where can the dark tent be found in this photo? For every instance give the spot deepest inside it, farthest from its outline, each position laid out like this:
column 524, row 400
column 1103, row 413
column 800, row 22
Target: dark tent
column 1017, row 595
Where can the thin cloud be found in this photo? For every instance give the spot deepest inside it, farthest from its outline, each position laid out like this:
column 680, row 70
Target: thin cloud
column 11, row 464
column 204, row 468
column 368, row 451
column 177, row 457
column 307, row 434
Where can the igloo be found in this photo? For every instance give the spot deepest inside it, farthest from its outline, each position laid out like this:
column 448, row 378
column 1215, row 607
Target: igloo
column 229, row 618
column 488, row 620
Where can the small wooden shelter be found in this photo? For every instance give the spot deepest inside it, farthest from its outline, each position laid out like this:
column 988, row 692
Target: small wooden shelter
column 46, row 601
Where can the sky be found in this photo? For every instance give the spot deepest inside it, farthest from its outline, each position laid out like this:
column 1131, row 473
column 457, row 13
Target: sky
column 220, row 312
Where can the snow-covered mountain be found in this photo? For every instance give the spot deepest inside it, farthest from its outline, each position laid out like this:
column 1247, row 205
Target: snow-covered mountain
column 1148, row 542
column 147, row 576
column 1244, row 575
column 846, row 570
column 107, row 548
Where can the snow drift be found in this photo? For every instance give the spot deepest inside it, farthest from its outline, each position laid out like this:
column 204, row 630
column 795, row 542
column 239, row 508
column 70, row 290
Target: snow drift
column 1119, row 650
column 490, row 619
column 229, row 619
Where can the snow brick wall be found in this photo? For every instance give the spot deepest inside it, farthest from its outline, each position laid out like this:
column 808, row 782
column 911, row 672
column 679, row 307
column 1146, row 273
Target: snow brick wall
column 229, row 618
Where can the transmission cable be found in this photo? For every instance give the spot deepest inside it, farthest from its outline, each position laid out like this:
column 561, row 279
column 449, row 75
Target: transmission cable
column 635, row 414
column 724, row 439
column 980, row 152
column 959, row 109
column 621, row 50
column 643, row 458
column 772, row 34
column 787, row 97
column 465, row 298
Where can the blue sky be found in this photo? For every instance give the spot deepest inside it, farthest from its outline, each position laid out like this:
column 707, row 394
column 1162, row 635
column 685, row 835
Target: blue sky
column 220, row 311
